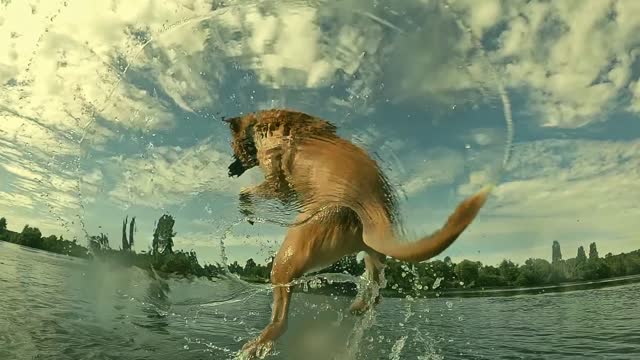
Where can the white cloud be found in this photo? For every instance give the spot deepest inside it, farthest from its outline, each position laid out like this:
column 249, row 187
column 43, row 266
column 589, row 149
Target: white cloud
column 574, row 58
column 575, row 191
column 434, row 167
column 634, row 88
column 576, row 62
column 287, row 47
column 16, row 200
column 171, row 175
column 61, row 71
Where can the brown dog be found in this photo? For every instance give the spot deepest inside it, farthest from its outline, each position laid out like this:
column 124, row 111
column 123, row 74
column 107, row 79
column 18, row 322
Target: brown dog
column 346, row 204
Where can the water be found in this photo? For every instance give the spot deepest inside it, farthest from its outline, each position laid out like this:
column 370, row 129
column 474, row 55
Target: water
column 56, row 307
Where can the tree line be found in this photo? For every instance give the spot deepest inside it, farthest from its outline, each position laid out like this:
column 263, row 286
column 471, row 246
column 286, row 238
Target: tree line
column 402, row 278
column 160, row 257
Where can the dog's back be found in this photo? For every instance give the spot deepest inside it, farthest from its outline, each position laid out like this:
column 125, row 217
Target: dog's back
column 325, row 169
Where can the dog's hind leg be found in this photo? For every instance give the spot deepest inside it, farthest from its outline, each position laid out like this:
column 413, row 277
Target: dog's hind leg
column 374, row 266
column 290, row 263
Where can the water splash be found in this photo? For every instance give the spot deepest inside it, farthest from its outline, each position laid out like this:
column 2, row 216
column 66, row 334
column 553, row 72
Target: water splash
column 396, row 350
column 504, row 97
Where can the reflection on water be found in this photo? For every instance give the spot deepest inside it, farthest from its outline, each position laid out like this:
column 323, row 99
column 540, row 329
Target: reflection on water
column 59, row 308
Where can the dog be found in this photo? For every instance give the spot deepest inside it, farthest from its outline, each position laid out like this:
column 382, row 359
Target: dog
column 346, row 205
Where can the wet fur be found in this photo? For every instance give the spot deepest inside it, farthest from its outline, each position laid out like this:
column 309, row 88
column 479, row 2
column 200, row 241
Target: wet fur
column 346, row 204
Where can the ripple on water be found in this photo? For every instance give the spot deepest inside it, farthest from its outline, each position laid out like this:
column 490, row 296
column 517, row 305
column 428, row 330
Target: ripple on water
column 56, row 308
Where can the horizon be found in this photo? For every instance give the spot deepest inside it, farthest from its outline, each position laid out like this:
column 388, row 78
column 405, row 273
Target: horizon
column 85, row 143
column 563, row 255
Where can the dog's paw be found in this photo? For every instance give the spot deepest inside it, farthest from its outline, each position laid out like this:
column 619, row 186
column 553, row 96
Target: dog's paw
column 256, row 349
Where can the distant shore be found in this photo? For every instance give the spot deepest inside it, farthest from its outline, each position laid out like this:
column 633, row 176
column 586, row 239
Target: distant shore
column 536, row 290
column 428, row 279
column 350, row 289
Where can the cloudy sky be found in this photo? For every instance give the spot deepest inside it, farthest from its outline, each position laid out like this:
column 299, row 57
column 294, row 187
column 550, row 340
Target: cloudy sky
column 111, row 109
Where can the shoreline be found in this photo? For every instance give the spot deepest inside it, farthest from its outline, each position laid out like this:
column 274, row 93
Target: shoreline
column 349, row 290
column 492, row 292
column 536, row 290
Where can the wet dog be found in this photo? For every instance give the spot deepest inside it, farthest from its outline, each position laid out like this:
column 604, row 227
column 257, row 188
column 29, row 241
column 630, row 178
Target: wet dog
column 346, row 204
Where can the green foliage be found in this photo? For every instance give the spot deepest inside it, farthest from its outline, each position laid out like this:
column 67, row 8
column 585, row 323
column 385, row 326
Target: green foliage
column 534, row 272
column 32, row 237
column 402, row 278
column 596, row 269
column 490, row 276
column 163, row 235
column 132, row 228
column 556, row 254
column 125, row 241
column 178, row 263
column 346, row 265
column 581, row 257
column 167, row 262
column 468, row 271
column 252, row 271
column 98, row 243
column 593, row 251
column 509, row 271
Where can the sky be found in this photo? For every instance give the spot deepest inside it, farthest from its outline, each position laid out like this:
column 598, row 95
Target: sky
column 111, row 109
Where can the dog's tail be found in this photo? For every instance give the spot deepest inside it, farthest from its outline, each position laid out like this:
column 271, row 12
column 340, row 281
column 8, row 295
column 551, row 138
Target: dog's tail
column 378, row 234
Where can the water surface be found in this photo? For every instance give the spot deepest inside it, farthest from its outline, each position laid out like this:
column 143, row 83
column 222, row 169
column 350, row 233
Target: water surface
column 58, row 307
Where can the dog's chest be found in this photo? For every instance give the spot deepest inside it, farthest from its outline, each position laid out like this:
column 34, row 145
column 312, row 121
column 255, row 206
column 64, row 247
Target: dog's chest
column 271, row 142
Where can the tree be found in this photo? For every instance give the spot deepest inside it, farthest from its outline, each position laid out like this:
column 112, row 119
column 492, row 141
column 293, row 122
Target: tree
column 447, row 260
column 163, row 235
column 581, row 258
column 250, row 268
column 30, row 236
column 490, row 276
column 596, row 269
column 556, row 254
column 468, row 271
column 125, row 242
column 509, row 271
column 98, row 243
column 346, row 265
column 443, row 269
column 3, row 225
column 235, row 268
column 593, row 251
column 534, row 272
column 132, row 228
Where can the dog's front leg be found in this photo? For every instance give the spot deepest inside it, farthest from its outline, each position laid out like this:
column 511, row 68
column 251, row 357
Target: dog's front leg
column 246, row 203
column 266, row 190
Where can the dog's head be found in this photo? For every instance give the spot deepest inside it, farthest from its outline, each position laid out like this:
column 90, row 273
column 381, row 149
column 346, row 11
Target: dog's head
column 242, row 143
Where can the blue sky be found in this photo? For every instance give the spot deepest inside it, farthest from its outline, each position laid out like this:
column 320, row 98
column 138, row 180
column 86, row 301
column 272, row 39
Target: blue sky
column 113, row 110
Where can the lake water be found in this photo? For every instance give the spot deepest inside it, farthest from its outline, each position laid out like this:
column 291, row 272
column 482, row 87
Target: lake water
column 56, row 307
